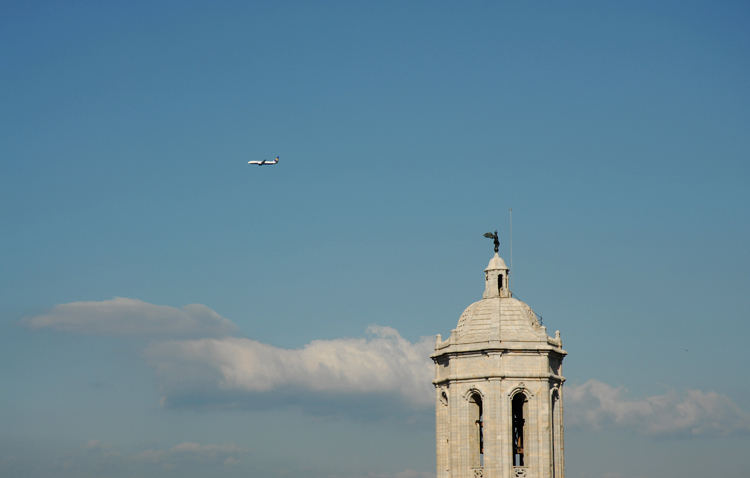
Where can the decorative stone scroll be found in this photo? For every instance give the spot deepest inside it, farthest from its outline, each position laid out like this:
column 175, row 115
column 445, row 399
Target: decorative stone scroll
column 478, row 472
column 520, row 472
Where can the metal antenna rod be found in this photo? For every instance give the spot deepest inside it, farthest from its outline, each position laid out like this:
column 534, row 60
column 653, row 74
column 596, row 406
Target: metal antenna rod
column 510, row 215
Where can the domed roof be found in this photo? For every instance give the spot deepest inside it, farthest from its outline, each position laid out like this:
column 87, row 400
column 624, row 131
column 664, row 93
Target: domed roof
column 499, row 319
column 496, row 263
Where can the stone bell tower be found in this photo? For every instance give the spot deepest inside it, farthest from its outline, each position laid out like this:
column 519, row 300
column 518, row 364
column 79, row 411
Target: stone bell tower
column 498, row 381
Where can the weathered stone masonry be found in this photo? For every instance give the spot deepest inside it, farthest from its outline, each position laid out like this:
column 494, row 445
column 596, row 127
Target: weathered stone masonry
column 498, row 385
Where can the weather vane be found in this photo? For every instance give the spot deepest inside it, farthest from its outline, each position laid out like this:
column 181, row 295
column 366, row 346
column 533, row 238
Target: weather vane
column 494, row 237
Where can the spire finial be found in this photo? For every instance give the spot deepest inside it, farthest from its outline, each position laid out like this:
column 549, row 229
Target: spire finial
column 494, row 237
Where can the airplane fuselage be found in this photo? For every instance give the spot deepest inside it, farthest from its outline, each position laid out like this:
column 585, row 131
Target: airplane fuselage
column 264, row 162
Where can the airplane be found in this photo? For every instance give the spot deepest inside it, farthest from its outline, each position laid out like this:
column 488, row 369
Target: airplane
column 264, row 162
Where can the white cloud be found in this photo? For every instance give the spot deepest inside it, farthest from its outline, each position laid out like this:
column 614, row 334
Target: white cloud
column 217, row 366
column 386, row 364
column 101, row 459
column 190, row 452
column 694, row 412
column 123, row 316
column 94, row 445
column 382, row 363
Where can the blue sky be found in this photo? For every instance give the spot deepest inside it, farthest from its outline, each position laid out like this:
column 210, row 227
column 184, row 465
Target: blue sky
column 616, row 132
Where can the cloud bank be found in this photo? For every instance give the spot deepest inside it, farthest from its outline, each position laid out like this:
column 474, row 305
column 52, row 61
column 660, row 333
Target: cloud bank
column 102, row 459
column 383, row 363
column 121, row 316
column 595, row 404
column 199, row 363
column 188, row 458
column 191, row 453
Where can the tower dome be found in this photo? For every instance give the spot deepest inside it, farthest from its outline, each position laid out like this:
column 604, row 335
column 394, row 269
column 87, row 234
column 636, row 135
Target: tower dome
column 498, row 382
column 499, row 319
column 498, row 316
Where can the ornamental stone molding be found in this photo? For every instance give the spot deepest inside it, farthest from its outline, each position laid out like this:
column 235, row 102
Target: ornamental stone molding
column 498, row 379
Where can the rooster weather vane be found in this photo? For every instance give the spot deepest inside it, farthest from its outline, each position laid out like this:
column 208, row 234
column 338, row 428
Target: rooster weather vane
column 494, row 237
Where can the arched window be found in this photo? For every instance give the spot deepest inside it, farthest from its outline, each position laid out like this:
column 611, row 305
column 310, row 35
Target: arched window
column 476, row 439
column 518, row 407
column 499, row 282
